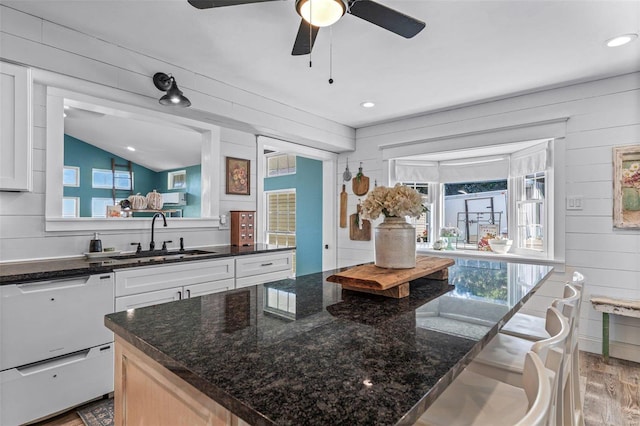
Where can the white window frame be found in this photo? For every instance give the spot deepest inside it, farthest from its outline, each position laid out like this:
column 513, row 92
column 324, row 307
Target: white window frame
column 427, row 202
column 104, row 213
column 278, row 170
column 76, row 201
column 77, row 172
column 516, row 200
column 171, row 177
column 113, row 174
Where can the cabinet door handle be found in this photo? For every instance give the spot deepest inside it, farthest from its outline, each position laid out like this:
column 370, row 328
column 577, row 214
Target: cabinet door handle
column 267, row 264
column 188, row 294
column 179, row 295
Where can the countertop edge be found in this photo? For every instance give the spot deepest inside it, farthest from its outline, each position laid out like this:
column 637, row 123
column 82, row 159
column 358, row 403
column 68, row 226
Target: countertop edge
column 203, row 386
column 85, row 267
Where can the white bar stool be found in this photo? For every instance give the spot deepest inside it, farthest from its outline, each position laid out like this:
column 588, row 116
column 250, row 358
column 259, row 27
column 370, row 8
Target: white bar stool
column 503, row 357
column 473, row 399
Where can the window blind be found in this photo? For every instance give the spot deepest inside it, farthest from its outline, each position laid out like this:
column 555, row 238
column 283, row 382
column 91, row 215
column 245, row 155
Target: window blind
column 530, row 160
column 474, row 169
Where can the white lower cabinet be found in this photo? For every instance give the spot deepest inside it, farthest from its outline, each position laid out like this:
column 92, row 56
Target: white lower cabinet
column 171, row 294
column 47, row 387
column 262, row 268
column 146, row 286
column 55, row 352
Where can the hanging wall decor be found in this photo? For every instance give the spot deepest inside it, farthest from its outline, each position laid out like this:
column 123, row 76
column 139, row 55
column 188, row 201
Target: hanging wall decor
column 626, row 186
column 359, row 228
column 238, row 172
column 360, row 183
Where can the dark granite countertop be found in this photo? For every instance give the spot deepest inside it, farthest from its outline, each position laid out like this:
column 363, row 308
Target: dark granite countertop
column 48, row 269
column 305, row 352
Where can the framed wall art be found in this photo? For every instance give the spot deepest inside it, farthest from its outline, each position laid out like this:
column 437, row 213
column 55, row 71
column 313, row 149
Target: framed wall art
column 626, row 186
column 238, row 172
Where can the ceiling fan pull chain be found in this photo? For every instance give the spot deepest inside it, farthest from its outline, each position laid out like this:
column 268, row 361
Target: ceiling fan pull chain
column 330, row 55
column 310, row 31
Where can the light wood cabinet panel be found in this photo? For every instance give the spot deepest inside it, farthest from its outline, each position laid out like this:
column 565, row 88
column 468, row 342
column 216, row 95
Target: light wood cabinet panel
column 153, row 395
column 15, row 128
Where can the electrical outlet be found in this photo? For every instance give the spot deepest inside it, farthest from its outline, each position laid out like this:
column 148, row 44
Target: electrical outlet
column 575, row 202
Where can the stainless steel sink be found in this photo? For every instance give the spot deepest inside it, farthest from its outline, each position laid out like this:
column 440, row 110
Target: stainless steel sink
column 159, row 255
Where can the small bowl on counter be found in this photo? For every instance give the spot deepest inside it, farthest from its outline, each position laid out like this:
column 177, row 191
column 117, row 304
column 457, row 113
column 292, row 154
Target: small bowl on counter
column 500, row 246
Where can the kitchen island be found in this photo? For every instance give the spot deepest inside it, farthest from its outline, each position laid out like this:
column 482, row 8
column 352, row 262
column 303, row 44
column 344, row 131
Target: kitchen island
column 305, row 352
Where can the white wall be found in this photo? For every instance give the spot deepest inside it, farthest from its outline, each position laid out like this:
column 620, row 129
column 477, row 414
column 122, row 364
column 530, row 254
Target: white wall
column 602, row 114
column 41, row 44
column 22, row 214
column 29, row 40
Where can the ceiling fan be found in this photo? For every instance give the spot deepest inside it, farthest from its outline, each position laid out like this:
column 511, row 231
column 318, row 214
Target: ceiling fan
column 322, row 13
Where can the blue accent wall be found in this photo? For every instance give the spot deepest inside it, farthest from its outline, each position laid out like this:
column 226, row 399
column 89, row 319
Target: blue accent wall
column 308, row 185
column 194, row 183
column 80, row 154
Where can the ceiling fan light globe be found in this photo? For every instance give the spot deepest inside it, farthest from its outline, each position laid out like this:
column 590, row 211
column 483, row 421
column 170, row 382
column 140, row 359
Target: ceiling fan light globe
column 321, row 13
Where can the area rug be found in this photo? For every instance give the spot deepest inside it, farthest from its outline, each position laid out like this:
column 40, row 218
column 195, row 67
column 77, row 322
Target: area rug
column 100, row 413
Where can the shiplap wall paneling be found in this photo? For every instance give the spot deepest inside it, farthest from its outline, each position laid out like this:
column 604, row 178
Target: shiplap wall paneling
column 601, row 114
column 46, row 45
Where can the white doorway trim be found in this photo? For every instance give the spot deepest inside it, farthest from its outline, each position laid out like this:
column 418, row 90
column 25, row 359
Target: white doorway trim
column 329, row 171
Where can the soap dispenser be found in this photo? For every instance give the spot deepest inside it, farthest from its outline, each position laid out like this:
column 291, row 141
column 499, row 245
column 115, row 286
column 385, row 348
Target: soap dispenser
column 95, row 245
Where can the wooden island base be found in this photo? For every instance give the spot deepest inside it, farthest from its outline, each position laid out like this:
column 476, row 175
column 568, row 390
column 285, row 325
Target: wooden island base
column 146, row 393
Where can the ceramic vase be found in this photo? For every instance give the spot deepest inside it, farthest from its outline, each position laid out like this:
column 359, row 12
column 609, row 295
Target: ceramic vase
column 395, row 244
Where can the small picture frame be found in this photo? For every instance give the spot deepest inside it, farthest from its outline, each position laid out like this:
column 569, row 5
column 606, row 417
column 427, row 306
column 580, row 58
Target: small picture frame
column 114, row 211
column 486, row 233
column 626, row 186
column 238, row 176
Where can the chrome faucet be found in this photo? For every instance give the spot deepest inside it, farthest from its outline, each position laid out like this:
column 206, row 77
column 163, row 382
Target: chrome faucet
column 152, row 244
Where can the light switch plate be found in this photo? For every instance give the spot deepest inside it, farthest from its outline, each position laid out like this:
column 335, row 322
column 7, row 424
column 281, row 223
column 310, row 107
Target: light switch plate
column 575, row 202
column 224, row 222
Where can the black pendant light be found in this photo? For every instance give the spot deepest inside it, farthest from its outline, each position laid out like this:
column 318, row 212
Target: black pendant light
column 174, row 96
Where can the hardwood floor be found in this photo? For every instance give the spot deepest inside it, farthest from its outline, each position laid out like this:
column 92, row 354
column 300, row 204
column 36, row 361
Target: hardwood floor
column 611, row 394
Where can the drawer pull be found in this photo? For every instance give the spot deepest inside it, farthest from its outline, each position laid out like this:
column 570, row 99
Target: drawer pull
column 105, row 277
column 267, row 264
column 40, row 366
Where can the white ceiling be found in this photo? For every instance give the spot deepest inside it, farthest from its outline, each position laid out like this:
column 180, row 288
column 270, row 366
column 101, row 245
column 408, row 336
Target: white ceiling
column 158, row 145
column 468, row 52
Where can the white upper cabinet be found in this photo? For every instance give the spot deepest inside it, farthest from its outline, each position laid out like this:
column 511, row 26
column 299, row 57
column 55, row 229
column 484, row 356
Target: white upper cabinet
column 15, row 128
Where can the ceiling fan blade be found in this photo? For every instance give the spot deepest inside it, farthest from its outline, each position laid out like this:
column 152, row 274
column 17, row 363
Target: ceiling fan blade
column 384, row 17
column 301, row 45
column 208, row 4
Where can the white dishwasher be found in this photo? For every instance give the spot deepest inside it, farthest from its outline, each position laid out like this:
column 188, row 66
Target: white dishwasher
column 55, row 351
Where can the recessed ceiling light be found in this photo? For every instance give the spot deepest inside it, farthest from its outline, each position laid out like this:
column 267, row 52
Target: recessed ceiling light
column 367, row 104
column 130, row 148
column 621, row 40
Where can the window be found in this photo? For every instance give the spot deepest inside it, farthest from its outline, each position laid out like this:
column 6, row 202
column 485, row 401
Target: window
column 478, row 209
column 531, row 212
column 71, row 176
column 177, row 179
column 281, row 219
column 423, row 223
column 70, row 207
column 105, row 179
column 507, row 193
column 279, row 165
column 99, row 206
